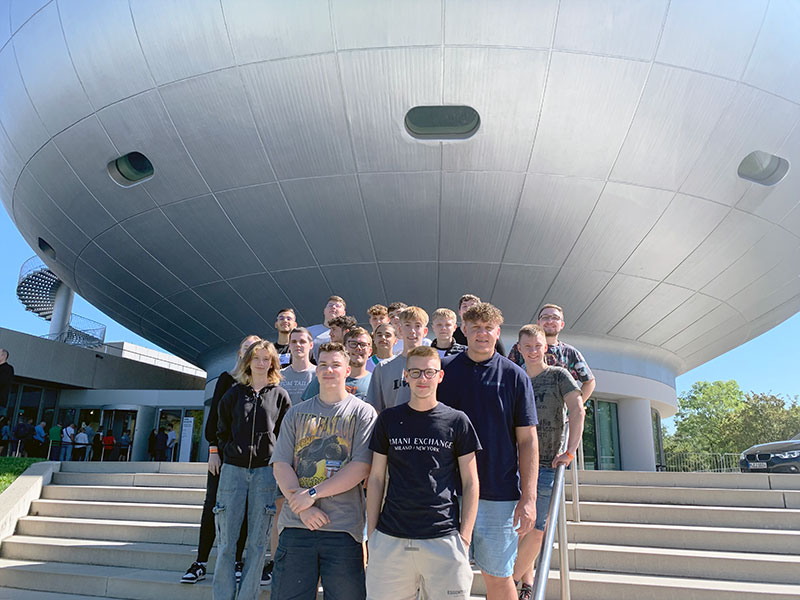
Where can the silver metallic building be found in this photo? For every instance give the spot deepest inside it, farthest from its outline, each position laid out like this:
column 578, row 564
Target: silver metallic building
column 604, row 176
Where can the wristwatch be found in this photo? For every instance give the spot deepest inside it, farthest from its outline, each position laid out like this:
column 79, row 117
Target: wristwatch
column 312, row 492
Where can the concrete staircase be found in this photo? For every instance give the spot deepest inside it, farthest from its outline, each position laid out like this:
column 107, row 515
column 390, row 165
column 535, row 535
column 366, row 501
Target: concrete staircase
column 131, row 533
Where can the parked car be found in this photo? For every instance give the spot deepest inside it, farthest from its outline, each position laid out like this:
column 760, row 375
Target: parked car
column 775, row 457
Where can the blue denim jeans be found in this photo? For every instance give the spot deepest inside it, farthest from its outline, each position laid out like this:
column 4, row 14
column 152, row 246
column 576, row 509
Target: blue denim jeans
column 257, row 488
column 66, row 451
column 303, row 557
column 544, row 491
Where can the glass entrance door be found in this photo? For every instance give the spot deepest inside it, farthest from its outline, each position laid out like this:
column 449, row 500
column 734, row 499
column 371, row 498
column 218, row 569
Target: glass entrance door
column 170, row 420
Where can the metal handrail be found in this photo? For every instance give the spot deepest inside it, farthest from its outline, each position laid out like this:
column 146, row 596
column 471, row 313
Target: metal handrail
column 557, row 514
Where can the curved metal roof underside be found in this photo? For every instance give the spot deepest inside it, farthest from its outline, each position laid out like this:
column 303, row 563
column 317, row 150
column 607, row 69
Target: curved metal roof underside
column 603, row 176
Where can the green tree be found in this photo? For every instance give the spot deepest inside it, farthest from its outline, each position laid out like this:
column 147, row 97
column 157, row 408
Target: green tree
column 761, row 418
column 701, row 413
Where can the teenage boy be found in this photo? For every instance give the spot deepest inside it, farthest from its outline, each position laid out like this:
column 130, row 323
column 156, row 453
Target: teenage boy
column 418, row 542
column 559, row 354
column 388, row 386
column 395, row 310
column 285, row 322
column 555, row 390
column 444, row 325
column 335, row 307
column 338, row 326
column 299, row 373
column 321, row 457
column 377, row 314
column 385, row 337
column 466, row 302
column 358, row 345
column 497, row 397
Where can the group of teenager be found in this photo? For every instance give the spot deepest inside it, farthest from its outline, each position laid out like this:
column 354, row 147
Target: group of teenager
column 455, row 444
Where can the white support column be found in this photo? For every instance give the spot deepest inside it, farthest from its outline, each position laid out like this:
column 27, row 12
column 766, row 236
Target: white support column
column 62, row 309
column 636, row 435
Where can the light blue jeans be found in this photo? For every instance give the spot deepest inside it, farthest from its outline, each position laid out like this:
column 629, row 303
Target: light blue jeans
column 257, row 488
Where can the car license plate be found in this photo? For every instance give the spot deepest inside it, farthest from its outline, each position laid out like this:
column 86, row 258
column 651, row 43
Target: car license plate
column 758, row 465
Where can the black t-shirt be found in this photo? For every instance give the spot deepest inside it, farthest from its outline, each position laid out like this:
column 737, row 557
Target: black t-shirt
column 460, row 338
column 283, row 353
column 422, row 450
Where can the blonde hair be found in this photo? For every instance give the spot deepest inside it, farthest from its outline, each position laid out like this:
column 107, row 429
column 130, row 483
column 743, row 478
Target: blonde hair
column 423, row 352
column 414, row 313
column 244, row 375
column 443, row 313
column 485, row 313
column 532, row 330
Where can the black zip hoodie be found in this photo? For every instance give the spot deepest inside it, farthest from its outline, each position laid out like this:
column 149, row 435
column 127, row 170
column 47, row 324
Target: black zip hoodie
column 249, row 423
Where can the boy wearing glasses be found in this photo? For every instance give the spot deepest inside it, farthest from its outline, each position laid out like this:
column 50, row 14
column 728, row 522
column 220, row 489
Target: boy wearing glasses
column 418, row 541
column 358, row 345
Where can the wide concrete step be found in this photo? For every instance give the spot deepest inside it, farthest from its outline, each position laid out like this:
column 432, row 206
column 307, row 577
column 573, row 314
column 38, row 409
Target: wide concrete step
column 731, row 481
column 687, row 496
column 171, row 480
column 714, row 516
column 119, row 493
column 16, row 594
column 141, row 584
column 120, row 511
column 136, row 555
column 108, row 529
column 193, row 468
column 699, row 564
column 726, row 539
column 110, row 582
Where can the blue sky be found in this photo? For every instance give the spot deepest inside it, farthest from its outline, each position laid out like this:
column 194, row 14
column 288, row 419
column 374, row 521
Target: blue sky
column 762, row 364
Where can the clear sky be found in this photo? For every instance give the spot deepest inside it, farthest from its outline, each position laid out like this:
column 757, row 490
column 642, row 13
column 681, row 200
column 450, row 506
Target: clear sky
column 761, row 365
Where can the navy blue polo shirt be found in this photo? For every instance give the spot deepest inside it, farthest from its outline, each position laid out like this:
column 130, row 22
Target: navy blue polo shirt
column 497, row 397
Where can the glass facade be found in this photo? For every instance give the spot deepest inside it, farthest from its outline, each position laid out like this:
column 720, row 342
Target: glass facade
column 601, row 436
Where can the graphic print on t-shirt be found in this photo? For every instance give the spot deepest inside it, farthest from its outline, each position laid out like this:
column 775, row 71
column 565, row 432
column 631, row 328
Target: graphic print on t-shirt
column 323, row 447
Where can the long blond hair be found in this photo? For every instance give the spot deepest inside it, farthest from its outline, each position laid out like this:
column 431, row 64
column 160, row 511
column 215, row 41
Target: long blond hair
column 244, row 375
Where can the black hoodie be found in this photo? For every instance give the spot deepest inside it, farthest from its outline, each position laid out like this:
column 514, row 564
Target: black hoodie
column 249, row 423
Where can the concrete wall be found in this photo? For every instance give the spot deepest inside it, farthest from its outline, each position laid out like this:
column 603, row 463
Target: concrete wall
column 45, row 360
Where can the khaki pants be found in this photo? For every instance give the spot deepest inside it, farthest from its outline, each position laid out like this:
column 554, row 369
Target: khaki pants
column 398, row 568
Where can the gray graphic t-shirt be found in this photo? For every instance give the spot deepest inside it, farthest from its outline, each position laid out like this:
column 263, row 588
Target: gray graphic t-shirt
column 549, row 387
column 318, row 439
column 296, row 382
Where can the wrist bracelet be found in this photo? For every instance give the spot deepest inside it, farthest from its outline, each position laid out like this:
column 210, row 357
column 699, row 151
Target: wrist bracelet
column 571, row 456
column 213, row 450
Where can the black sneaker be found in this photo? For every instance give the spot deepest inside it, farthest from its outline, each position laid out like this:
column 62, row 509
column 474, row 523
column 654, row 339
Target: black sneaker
column 266, row 574
column 238, row 567
column 195, row 573
column 525, row 592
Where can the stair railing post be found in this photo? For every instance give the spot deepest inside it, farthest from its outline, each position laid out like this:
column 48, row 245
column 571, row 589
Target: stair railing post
column 576, row 500
column 563, row 548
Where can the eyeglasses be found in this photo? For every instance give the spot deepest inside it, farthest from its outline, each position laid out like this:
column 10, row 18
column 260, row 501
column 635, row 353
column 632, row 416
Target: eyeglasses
column 549, row 317
column 417, row 373
column 362, row 345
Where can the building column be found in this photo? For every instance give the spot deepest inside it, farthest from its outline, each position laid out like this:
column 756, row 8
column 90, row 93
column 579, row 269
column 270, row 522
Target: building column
column 62, row 309
column 636, row 434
